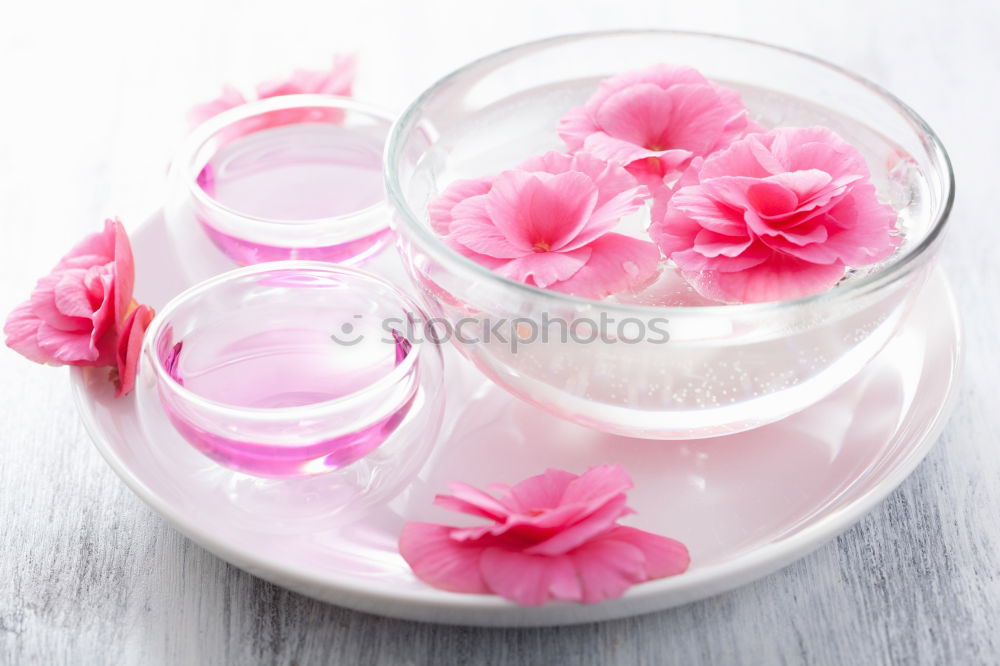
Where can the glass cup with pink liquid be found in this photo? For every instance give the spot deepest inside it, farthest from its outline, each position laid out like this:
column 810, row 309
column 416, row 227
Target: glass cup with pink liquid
column 291, row 177
column 293, row 369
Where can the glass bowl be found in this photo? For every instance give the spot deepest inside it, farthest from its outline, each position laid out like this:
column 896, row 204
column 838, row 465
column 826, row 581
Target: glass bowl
column 290, row 177
column 294, row 369
column 682, row 368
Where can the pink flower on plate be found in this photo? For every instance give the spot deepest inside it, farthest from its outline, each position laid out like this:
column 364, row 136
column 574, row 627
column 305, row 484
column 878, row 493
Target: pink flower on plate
column 73, row 314
column 654, row 121
column 551, row 537
column 775, row 216
column 82, row 313
column 337, row 80
column 548, row 223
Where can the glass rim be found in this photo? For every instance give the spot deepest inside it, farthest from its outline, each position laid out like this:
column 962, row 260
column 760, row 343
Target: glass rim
column 196, row 141
column 162, row 321
column 899, row 268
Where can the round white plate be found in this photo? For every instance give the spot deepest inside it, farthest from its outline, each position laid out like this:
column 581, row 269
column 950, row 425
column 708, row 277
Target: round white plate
column 744, row 504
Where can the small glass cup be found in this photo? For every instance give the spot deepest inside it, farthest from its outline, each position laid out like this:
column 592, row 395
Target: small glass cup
column 291, row 177
column 293, row 369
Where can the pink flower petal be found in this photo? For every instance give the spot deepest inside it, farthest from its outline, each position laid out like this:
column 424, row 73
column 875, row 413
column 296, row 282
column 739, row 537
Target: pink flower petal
column 607, row 567
column 616, row 262
column 124, row 269
column 711, row 244
column 575, row 126
column 440, row 209
column 542, row 491
column 607, row 216
column 700, row 119
column 780, row 277
column 620, row 151
column 722, row 211
column 73, row 297
column 466, row 499
column 612, row 181
column 484, row 238
column 440, row 561
column 95, row 249
column 771, row 199
column 696, row 259
column 596, row 517
column 129, row 347
column 599, row 570
column 72, row 348
column 749, row 158
column 21, row 331
column 530, row 580
column 597, row 483
column 660, row 74
column 640, row 115
column 45, row 305
column 544, row 269
column 541, row 211
column 663, row 556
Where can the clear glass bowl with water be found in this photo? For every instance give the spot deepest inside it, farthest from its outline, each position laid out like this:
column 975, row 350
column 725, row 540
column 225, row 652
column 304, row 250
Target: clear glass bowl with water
column 290, row 177
column 664, row 363
column 294, row 369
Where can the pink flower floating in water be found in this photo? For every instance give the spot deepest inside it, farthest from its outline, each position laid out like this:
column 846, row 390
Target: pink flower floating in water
column 776, row 215
column 338, row 80
column 654, row 121
column 81, row 312
column 548, row 223
column 554, row 536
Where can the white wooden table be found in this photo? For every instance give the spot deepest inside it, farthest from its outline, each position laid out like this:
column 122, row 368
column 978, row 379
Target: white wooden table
column 93, row 96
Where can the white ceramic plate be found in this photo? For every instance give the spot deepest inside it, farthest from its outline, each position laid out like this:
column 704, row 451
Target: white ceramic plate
column 744, row 504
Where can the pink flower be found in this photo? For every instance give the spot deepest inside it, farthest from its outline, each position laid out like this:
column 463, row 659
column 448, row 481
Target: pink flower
column 654, row 121
column 774, row 216
column 82, row 313
column 552, row 537
column 548, row 223
column 73, row 314
column 129, row 346
column 338, row 80
column 229, row 99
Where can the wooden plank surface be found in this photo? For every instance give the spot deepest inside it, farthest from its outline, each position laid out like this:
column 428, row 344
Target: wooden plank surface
column 93, row 97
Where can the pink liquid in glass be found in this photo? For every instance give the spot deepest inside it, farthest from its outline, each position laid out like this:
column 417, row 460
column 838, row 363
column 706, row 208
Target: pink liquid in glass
column 292, row 174
column 248, row 360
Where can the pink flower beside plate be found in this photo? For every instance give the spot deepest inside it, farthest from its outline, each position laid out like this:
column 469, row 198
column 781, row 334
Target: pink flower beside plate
column 82, row 313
